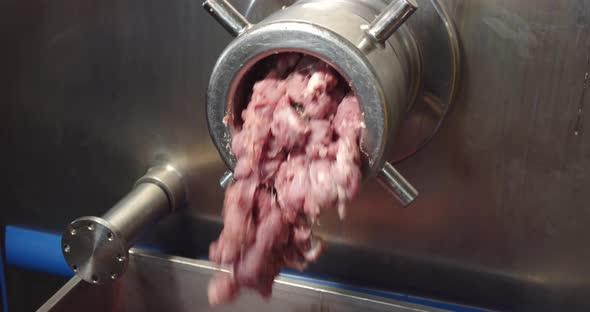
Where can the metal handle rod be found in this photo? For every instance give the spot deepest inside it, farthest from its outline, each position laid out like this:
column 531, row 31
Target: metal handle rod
column 227, row 16
column 390, row 19
column 393, row 181
column 226, row 179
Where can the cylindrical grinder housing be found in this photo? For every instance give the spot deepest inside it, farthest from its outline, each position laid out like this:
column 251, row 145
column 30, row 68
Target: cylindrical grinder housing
column 384, row 77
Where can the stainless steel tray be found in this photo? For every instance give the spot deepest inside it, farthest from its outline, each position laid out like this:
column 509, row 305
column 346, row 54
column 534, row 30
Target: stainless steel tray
column 156, row 282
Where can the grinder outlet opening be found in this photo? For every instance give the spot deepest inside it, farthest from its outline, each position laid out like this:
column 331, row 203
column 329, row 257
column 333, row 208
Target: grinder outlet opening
column 278, row 66
column 309, row 93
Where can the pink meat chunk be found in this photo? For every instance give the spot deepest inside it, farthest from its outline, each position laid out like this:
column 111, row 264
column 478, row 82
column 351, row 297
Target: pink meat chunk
column 291, row 185
column 348, row 120
column 287, row 127
column 323, row 190
column 313, row 86
column 320, row 138
column 297, row 153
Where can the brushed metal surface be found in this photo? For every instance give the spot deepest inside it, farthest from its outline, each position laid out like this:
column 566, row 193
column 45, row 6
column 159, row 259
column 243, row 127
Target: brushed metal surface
column 157, row 282
column 93, row 92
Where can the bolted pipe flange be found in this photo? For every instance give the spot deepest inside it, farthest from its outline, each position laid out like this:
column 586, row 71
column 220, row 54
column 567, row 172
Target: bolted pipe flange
column 108, row 252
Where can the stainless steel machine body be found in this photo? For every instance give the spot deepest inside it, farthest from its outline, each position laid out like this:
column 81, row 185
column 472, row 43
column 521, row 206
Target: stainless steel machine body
column 94, row 92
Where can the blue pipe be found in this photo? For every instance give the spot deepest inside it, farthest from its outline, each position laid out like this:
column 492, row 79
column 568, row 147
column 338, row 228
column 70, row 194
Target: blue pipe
column 38, row 251
column 3, row 282
column 35, row 251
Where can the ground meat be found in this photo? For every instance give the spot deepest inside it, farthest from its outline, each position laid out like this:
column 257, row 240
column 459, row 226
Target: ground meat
column 297, row 153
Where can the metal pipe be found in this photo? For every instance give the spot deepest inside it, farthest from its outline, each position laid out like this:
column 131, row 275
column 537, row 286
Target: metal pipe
column 97, row 248
column 145, row 204
column 234, row 22
column 394, row 182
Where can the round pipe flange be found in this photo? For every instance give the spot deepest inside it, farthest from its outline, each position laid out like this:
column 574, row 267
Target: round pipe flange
column 94, row 250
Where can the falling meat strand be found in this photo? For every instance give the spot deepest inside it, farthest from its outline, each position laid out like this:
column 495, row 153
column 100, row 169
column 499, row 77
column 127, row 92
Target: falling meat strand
column 297, row 153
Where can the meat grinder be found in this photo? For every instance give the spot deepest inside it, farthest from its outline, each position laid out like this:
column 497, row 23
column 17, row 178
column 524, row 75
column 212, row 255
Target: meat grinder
column 404, row 85
column 403, row 94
